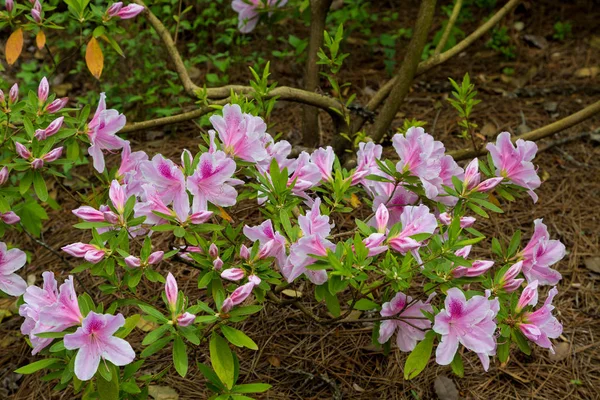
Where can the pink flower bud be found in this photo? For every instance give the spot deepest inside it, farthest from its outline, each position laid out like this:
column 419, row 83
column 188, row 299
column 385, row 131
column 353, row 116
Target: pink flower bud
column 489, row 184
column 2, row 97
column 255, row 280
column 37, row 163
column 528, row 297
column 50, row 130
column 467, row 222
column 3, row 175
column 130, row 11
column 37, row 6
column 37, row 15
column 512, row 285
column 171, row 291
column 472, row 176
column 244, row 252
column 111, row 217
column 114, row 8
column 265, row 249
column 117, row 196
column 233, row 274
column 479, row 267
column 464, row 252
column 43, row 90
column 200, row 217
column 512, row 272
column 10, row 218
column 13, row 95
column 217, row 264
column 156, row 257
column 78, row 249
column 9, row 5
column 186, row 319
column 53, row 155
column 382, row 216
column 22, row 151
column 57, row 105
column 89, row 214
column 445, row 218
column 94, row 256
column 213, row 250
column 227, row 305
column 133, row 262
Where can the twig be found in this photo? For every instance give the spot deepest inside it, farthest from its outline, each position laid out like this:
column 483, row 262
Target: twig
column 449, row 26
column 540, row 133
column 559, row 142
column 178, row 20
column 405, row 75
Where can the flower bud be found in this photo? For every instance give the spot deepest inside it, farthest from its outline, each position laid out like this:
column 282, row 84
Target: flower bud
column 57, row 105
column 488, row 184
column 117, row 196
column 200, row 217
column 13, row 95
column 133, row 262
column 9, row 218
column 9, row 5
column 114, row 8
column 186, row 319
column 130, row 11
column 227, row 305
column 233, row 274
column 213, row 250
column 89, row 214
column 464, row 252
column 54, row 126
column 2, row 97
column 22, row 151
column 472, row 176
column 37, row 5
column 36, row 15
column 3, row 175
column 156, row 257
column 382, row 216
column 217, row 264
column 528, row 297
column 78, row 249
column 265, row 249
column 171, row 291
column 111, row 217
column 244, row 252
column 479, row 267
column 43, row 90
column 255, row 280
column 53, row 155
column 94, row 256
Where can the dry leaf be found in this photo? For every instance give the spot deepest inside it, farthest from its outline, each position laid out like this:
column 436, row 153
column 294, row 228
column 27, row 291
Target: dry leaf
column 145, row 325
column 224, row 214
column 274, row 361
column 561, row 351
column 14, row 46
column 162, row 393
column 357, row 388
column 94, row 58
column 489, row 130
column 445, row 388
column 292, row 293
column 40, row 39
column 354, row 201
column 587, row 72
column 593, row 264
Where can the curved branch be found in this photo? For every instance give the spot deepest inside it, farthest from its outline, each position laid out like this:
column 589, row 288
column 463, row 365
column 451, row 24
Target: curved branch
column 449, row 26
column 540, row 133
column 434, row 61
column 283, row 92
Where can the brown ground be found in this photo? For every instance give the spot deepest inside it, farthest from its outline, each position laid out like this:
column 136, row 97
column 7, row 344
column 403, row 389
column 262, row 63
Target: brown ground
column 305, row 360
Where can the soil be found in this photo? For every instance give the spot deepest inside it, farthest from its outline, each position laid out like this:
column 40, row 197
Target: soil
column 305, row 360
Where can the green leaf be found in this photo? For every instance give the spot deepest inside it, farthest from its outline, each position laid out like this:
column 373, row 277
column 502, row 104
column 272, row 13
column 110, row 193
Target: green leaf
column 152, row 311
column 419, row 357
column 333, row 304
column 365, row 305
column 503, row 349
column 156, row 346
column 520, row 340
column 222, row 360
column 251, row 388
column 180, row 357
column 51, row 335
column 155, row 334
column 130, row 323
column 39, row 184
column 36, row 366
column 238, row 338
column 108, row 389
column 457, row 365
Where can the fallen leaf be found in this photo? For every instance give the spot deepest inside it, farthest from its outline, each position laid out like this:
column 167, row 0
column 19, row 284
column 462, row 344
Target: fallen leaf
column 62, row 89
column 538, row 41
column 40, row 39
column 162, row 393
column 292, row 293
column 145, row 325
column 445, row 388
column 550, row 106
column 354, row 201
column 353, row 316
column 94, row 58
column 14, row 46
column 489, row 130
column 589, row 72
column 593, row 264
column 274, row 361
column 561, row 351
column 224, row 214
column 357, row 388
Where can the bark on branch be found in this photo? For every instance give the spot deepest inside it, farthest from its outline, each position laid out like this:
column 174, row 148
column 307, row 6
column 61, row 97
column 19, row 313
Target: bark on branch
column 405, row 75
column 449, row 26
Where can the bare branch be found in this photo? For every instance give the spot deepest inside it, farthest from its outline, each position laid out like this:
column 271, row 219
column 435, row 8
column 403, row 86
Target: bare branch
column 407, row 70
column 449, row 26
column 540, row 133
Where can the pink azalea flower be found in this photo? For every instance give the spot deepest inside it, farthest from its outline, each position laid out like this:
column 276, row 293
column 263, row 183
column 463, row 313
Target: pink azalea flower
column 240, row 294
column 9, row 218
column 95, row 341
column 11, row 261
column 129, row 170
column 268, row 237
column 169, row 181
column 114, row 8
column 65, row 312
column 306, row 175
column 395, row 198
column 465, row 222
column 241, row 134
column 248, row 13
column 89, row 214
column 468, row 322
column 313, row 223
column 300, row 258
column 540, row 326
column 448, row 169
column 415, row 220
column 324, row 159
column 36, row 300
column 508, row 282
column 89, row 252
column 102, row 131
column 479, row 267
column 277, row 151
column 117, row 196
column 233, row 274
column 374, row 242
column 514, row 163
column 171, row 291
column 212, row 181
column 155, row 257
column 130, row 11
column 529, row 297
column 420, row 155
column 185, row 319
column 540, row 253
column 410, row 331
column 366, row 165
